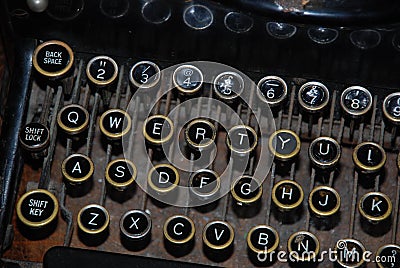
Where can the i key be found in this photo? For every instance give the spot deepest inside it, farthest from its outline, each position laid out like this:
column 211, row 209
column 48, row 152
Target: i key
column 375, row 209
column 389, row 256
column 304, row 247
column 120, row 176
column 163, row 179
column 284, row 144
column 77, row 170
column 228, row 86
column 34, row 137
column 115, row 123
column 188, row 79
column 261, row 241
column 179, row 233
column 135, row 230
column 218, row 239
column 349, row 253
column 144, row 74
column 287, row 196
column 272, row 90
column 246, row 192
column 73, row 119
column 369, row 157
column 324, row 205
column 324, row 153
column 93, row 222
column 37, row 212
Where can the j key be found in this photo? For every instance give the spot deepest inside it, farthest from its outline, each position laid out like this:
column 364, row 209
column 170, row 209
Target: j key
column 102, row 71
column 388, row 256
column 93, row 222
column 284, row 144
column 242, row 140
column 218, row 239
column 37, row 212
column 376, row 210
column 246, row 192
column 391, row 108
column 73, row 119
column 120, row 175
column 349, row 253
column 158, row 129
column 77, row 170
column 356, row 101
column 261, row 241
column 228, row 86
column 324, row 201
column 144, row 74
column 324, row 152
column 272, row 90
column 135, row 229
column 204, row 184
column 369, row 157
column 188, row 79
column 115, row 123
column 163, row 178
column 53, row 59
column 200, row 134
column 35, row 138
column 287, row 197
column 304, row 247
column 179, row 233
column 313, row 97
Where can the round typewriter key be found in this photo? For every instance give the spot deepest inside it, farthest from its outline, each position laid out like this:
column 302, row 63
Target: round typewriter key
column 349, row 253
column 324, row 201
column 35, row 138
column 145, row 74
column 261, row 241
column 188, row 79
column 369, row 157
column 324, row 152
column 356, row 101
column 135, row 229
column 313, row 96
column 179, row 233
column 284, row 144
column 242, row 140
column 375, row 209
column 303, row 247
column 114, row 9
column 73, row 119
column 204, row 183
column 246, row 191
column 218, row 239
column 77, row 170
column 102, row 71
column 158, row 129
column 115, row 123
column 37, row 213
column 163, row 178
column 272, row 90
column 53, row 59
column 287, row 197
column 228, row 86
column 120, row 175
column 93, row 222
column 391, row 108
column 388, row 256
column 200, row 134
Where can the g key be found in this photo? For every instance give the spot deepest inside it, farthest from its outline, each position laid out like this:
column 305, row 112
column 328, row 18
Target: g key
column 247, row 192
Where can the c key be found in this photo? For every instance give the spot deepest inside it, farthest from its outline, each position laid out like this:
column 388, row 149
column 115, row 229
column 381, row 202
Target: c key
column 135, row 229
column 179, row 233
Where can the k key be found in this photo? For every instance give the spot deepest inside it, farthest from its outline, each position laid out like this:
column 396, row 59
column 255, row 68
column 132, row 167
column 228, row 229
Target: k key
column 179, row 233
column 375, row 209
column 93, row 222
column 218, row 239
column 115, row 123
column 135, row 229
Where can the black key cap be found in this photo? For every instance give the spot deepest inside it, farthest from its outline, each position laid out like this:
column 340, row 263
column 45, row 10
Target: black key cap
column 135, row 229
column 228, row 86
column 324, row 201
column 204, row 184
column 356, row 101
column 77, row 170
column 376, row 210
column 200, row 134
column 313, row 97
column 73, row 119
column 120, row 175
column 246, row 192
column 102, row 71
column 349, row 253
column 35, row 138
column 324, row 152
column 158, row 129
column 115, row 123
column 369, row 157
column 272, row 90
column 304, row 247
column 391, row 108
column 284, row 144
column 218, row 239
column 179, row 233
column 287, row 195
column 163, row 178
column 188, row 79
column 93, row 221
column 242, row 140
column 145, row 74
column 388, row 256
column 261, row 241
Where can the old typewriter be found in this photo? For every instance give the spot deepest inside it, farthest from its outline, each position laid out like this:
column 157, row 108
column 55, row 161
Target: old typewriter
column 171, row 133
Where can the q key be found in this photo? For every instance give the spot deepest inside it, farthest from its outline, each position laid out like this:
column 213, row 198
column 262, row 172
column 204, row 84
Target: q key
column 73, row 119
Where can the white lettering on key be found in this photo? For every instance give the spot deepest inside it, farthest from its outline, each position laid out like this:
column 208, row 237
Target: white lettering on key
column 178, row 224
column 134, row 223
column 283, row 142
column 218, row 236
column 95, row 215
column 376, row 205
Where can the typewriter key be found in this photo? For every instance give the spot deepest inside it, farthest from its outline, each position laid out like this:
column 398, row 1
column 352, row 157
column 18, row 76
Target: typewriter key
column 179, row 233
column 356, row 101
column 375, row 209
column 218, row 239
column 262, row 240
column 120, row 175
column 53, row 59
column 272, row 90
column 135, row 229
column 388, row 256
column 204, row 183
column 37, row 214
column 228, row 86
column 77, row 170
column 246, row 191
column 369, row 157
column 313, row 97
column 284, row 144
column 73, row 119
column 115, row 123
column 158, row 129
column 200, row 134
column 163, row 178
column 349, row 253
column 188, row 79
column 287, row 196
column 102, row 71
column 34, row 137
column 144, row 74
column 391, row 108
column 93, row 222
column 324, row 205
column 241, row 140
column 303, row 247
column 324, row 152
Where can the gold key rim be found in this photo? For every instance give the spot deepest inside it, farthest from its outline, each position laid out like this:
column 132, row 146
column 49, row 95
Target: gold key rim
column 354, row 241
column 352, row 112
column 243, row 200
column 365, row 168
column 201, row 145
column 217, row 181
column 309, row 257
column 169, row 188
column 277, row 101
column 115, row 136
column 97, row 82
column 73, row 130
column 186, row 239
column 284, row 206
column 162, row 140
column 121, row 185
column 310, row 108
column 245, row 151
column 284, row 157
column 223, row 246
column 259, row 251
column 324, row 213
column 73, row 179
column 183, row 90
column 96, row 231
column 156, row 76
column 375, row 218
column 392, row 119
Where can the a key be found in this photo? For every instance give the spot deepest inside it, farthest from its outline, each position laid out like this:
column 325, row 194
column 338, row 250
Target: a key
column 77, row 170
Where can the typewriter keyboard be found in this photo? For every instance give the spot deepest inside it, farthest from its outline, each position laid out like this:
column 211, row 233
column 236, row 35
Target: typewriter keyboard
column 166, row 160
